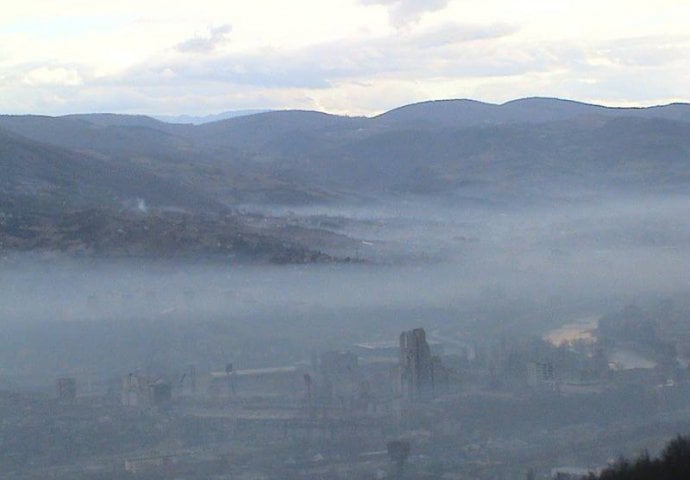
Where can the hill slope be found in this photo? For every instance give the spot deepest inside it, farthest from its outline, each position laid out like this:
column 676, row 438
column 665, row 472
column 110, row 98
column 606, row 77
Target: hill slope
column 535, row 149
column 430, row 147
column 58, row 178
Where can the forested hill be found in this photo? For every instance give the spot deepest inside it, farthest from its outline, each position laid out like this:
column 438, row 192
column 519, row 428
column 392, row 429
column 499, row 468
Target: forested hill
column 672, row 464
column 534, row 150
column 525, row 147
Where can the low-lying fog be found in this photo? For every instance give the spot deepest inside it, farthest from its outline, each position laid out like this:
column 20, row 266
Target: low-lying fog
column 471, row 270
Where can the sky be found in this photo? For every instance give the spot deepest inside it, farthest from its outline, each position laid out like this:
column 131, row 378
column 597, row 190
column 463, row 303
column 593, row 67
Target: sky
column 353, row 57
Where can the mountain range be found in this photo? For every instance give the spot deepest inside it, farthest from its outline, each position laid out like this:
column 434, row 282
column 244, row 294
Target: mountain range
column 534, row 147
column 199, row 119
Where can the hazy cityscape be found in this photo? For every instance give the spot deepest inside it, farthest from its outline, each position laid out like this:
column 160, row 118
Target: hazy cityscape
column 463, row 405
column 344, row 240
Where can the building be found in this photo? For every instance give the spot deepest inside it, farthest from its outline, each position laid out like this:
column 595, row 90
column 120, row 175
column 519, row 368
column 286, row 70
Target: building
column 140, row 391
column 541, row 374
column 288, row 380
column 160, row 393
column 416, row 366
column 134, row 391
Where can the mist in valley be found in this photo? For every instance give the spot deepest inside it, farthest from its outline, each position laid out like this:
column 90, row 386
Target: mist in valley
column 344, row 240
column 467, row 272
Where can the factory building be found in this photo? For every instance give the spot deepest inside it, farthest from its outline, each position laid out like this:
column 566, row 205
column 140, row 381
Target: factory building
column 417, row 367
column 541, row 374
column 268, row 381
column 140, row 391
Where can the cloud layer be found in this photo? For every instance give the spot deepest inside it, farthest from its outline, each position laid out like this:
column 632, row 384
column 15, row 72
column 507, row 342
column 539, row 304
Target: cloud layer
column 344, row 56
column 403, row 12
column 208, row 42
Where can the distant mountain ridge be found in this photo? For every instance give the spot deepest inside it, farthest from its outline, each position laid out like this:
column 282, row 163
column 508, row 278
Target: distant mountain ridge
column 463, row 112
column 200, row 119
column 297, row 157
column 538, row 149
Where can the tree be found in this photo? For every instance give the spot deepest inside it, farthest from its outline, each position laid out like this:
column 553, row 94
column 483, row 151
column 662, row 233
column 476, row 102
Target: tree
column 673, row 464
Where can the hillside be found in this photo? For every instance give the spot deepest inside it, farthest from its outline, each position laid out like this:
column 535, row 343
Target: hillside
column 461, row 113
column 447, row 146
column 298, row 157
column 103, row 233
column 535, row 149
column 56, row 178
column 66, row 202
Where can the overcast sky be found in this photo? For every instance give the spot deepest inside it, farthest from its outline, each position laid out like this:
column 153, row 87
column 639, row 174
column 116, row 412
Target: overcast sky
column 343, row 56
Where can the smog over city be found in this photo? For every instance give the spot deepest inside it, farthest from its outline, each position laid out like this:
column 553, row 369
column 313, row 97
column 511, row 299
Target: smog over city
column 348, row 239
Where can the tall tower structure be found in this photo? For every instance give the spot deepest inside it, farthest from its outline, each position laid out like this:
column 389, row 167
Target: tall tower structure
column 416, row 366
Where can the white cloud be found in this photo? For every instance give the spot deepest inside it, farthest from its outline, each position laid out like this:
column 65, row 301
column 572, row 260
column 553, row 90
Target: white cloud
column 432, row 52
column 356, row 56
column 404, row 12
column 53, row 76
column 208, row 42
